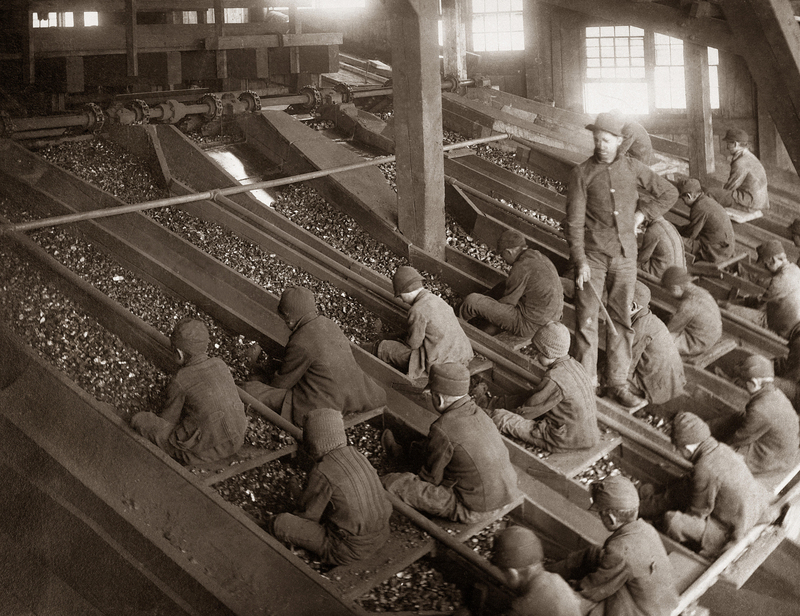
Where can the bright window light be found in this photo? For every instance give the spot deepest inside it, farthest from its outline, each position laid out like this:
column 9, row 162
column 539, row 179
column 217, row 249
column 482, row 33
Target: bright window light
column 713, row 76
column 670, row 81
column 91, row 18
column 497, row 25
column 615, row 70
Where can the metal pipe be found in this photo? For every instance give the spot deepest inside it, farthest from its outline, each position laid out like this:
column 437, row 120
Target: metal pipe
column 213, row 194
column 58, row 121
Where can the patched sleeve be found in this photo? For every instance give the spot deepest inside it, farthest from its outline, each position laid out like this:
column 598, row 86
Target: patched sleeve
column 438, row 453
column 316, row 496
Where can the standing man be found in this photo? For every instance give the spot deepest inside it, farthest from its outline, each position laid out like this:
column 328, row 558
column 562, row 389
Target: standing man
column 709, row 234
column 603, row 210
column 746, row 187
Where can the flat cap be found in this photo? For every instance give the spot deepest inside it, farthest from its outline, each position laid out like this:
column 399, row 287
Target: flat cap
column 769, row 249
column 614, row 492
column 756, row 367
column 406, row 279
column 675, row 277
column 609, row 123
column 689, row 429
column 516, row 547
column 450, row 379
column 689, row 185
column 510, row 238
column 737, row 134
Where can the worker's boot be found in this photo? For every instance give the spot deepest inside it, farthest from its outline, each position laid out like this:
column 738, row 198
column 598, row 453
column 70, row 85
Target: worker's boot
column 392, row 448
column 624, row 396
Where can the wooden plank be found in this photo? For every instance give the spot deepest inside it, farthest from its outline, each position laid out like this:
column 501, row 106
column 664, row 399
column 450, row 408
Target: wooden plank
column 454, row 15
column 698, row 104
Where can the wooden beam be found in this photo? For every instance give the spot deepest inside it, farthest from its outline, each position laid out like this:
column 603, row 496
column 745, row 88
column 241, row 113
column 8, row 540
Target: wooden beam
column 652, row 16
column 131, row 38
column 698, row 107
column 174, row 68
column 73, row 70
column 418, row 123
column 454, row 12
column 771, row 48
column 767, row 133
column 28, row 50
column 538, row 53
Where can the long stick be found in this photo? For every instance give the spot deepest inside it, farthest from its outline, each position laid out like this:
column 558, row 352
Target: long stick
column 213, row 194
column 609, row 322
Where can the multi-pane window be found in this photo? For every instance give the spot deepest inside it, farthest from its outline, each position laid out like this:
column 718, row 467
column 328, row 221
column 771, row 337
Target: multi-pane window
column 237, row 16
column 53, row 20
column 615, row 69
column 670, row 82
column 497, row 25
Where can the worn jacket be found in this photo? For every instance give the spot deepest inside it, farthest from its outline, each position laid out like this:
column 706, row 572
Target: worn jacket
column 464, row 450
column 656, row 365
column 204, row 406
column 533, row 286
column 661, row 248
column 601, row 202
column 634, row 576
column 321, row 372
column 782, row 299
column 566, row 396
column 434, row 335
column 710, row 231
column 748, row 182
column 636, row 143
column 768, row 436
column 546, row 594
column 724, row 488
column 345, row 492
column 699, row 318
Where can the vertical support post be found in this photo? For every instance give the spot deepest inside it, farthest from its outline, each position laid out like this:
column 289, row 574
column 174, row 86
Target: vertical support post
column 28, row 51
column 73, row 70
column 174, row 69
column 132, row 38
column 454, row 30
column 295, row 27
column 538, row 53
column 698, row 106
column 222, row 54
column 418, row 123
column 767, row 133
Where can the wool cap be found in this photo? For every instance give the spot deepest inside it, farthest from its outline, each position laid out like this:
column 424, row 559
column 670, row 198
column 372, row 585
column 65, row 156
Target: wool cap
column 641, row 294
column 737, row 134
column 769, row 249
column 689, row 185
column 191, row 337
column 406, row 279
column 614, row 492
column 552, row 340
column 756, row 367
column 324, row 432
column 675, row 277
column 449, row 379
column 609, row 123
column 689, row 429
column 516, row 547
column 510, row 238
column 297, row 302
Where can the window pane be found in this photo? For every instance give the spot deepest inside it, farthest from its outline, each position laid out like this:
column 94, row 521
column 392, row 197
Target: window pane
column 593, row 42
column 637, row 73
column 517, row 23
column 713, row 82
column 492, row 42
column 621, row 30
column 604, row 96
column 662, row 55
column 478, row 6
column 503, row 5
column 623, row 73
column 68, row 20
column 503, row 22
column 491, row 6
column 677, row 55
column 479, row 42
column 490, row 23
column 504, row 43
column 592, row 62
column 593, row 73
column 608, row 73
column 91, row 18
column 516, row 5
column 518, row 41
column 592, row 32
column 636, row 31
column 713, row 56
column 477, row 24
column 607, row 31
column 593, row 52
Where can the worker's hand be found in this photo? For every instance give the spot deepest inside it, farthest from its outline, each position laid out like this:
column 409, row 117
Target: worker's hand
column 638, row 218
column 582, row 274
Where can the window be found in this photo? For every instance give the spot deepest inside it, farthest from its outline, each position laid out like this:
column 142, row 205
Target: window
column 670, row 82
column 615, row 70
column 91, row 18
column 497, row 25
column 339, row 4
column 53, row 20
column 236, row 16
column 713, row 76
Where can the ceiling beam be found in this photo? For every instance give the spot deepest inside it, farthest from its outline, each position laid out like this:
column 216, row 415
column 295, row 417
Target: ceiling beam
column 663, row 19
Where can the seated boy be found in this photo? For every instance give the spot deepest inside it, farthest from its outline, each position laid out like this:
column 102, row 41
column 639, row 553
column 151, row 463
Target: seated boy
column 203, row 419
column 660, row 247
column 697, row 323
column 561, row 413
column 345, row 511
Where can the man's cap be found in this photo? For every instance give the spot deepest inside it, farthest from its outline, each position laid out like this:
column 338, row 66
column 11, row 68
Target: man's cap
column 689, row 186
column 641, row 294
column 756, row 367
column 609, row 123
column 450, row 379
column 191, row 337
column 406, row 279
column 769, row 249
column 737, row 134
column 516, row 547
column 297, row 302
column 675, row 277
column 510, row 238
column 552, row 340
column 689, row 429
column 323, row 432
column 614, row 492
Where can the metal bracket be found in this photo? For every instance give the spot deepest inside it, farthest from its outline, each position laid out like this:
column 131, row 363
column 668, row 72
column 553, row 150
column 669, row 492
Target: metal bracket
column 252, row 100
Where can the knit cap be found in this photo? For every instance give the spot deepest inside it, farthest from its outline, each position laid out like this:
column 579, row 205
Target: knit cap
column 191, row 337
column 406, row 279
column 552, row 340
column 689, row 429
column 510, row 238
column 675, row 277
column 449, row 379
column 689, row 185
column 641, row 294
column 323, row 432
column 516, row 547
column 756, row 367
column 614, row 492
column 297, row 302
column 769, row 249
